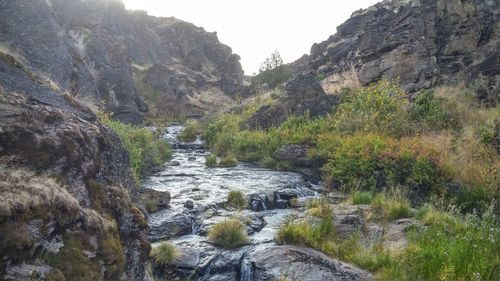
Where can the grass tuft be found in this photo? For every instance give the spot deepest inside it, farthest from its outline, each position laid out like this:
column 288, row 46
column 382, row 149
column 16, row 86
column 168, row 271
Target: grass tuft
column 164, row 254
column 228, row 234
column 237, row 199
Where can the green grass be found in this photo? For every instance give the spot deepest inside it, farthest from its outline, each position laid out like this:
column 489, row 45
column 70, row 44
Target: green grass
column 391, row 208
column 228, row 234
column 320, row 208
column 145, row 149
column 211, row 161
column 191, row 131
column 360, row 197
column 237, row 199
column 164, row 254
column 228, row 161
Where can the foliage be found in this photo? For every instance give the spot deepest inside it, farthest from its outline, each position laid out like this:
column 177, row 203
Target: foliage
column 391, row 207
column 145, row 149
column 164, row 254
column 378, row 108
column 237, row 199
column 228, row 234
column 272, row 71
column 320, row 208
column 468, row 252
column 428, row 113
column 211, row 161
column 190, row 132
column 228, row 161
column 360, row 197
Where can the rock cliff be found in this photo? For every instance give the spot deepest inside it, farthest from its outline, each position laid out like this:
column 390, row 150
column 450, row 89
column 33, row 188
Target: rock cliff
column 422, row 43
column 93, row 49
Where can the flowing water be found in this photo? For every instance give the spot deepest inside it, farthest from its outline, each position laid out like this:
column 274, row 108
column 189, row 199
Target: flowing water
column 198, row 193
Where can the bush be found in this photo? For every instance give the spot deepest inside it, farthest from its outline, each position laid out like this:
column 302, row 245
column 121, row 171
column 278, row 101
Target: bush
column 145, row 149
column 378, row 108
column 237, row 199
column 164, row 254
column 190, row 132
column 428, row 112
column 304, row 233
column 371, row 162
column 211, row 161
column 228, row 234
column 360, row 197
column 228, row 161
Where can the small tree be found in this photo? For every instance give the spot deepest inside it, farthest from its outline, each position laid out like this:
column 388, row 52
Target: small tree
column 272, row 71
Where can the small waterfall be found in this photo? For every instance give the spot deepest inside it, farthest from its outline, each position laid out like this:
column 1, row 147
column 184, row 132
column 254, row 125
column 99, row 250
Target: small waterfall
column 246, row 271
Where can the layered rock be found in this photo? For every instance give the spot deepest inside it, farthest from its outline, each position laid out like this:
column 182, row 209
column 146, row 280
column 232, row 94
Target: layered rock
column 91, row 50
column 303, row 96
column 65, row 212
column 421, row 43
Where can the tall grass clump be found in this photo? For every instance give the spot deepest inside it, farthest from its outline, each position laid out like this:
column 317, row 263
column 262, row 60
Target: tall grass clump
column 164, row 254
column 391, row 207
column 360, row 197
column 228, row 234
column 145, row 149
column 237, row 199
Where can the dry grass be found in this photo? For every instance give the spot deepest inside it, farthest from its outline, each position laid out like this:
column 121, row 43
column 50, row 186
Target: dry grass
column 22, row 191
column 346, row 79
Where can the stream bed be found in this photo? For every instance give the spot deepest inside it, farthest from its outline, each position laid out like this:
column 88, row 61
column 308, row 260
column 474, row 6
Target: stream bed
column 198, row 194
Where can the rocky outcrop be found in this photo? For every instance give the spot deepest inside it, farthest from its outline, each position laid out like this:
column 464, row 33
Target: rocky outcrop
column 93, row 49
column 65, row 212
column 422, row 43
column 297, row 263
column 303, row 95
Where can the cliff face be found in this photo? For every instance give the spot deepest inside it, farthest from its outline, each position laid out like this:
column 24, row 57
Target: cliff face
column 64, row 182
column 91, row 50
column 422, row 43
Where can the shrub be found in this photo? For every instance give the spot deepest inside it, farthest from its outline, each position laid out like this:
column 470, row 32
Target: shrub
column 228, row 234
column 190, row 132
column 306, row 234
column 164, row 254
column 237, row 199
column 211, row 161
column 378, row 108
column 371, row 162
column 428, row 112
column 145, row 149
column 360, row 197
column 228, row 161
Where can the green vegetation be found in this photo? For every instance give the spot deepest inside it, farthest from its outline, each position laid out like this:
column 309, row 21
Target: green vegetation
column 237, row 199
column 145, row 149
column 228, row 161
column 360, row 197
column 228, row 234
column 440, row 151
column 191, row 131
column 391, row 208
column 164, row 254
column 211, row 161
column 272, row 72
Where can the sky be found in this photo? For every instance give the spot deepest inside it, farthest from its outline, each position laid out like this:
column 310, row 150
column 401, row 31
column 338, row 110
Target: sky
column 255, row 28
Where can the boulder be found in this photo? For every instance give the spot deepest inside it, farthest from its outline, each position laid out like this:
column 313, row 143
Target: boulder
column 169, row 224
column 296, row 263
column 303, row 95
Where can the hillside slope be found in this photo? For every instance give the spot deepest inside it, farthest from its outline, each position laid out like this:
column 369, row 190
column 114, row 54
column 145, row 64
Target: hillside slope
column 91, row 50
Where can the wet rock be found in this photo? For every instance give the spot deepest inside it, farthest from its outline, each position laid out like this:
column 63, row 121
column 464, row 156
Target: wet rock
column 168, row 224
column 254, row 223
column 174, row 163
column 296, row 263
column 151, row 200
column 189, row 204
column 192, row 158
